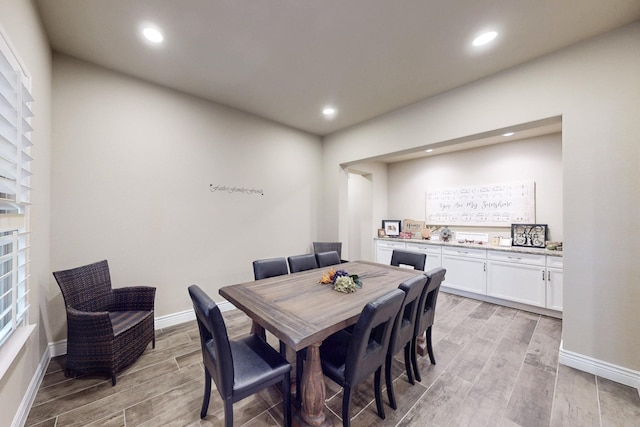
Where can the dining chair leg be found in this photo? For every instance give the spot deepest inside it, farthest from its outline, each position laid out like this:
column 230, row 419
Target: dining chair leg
column 414, row 359
column 407, row 363
column 228, row 413
column 378, row 391
column 430, row 347
column 346, row 403
column 207, row 394
column 389, row 382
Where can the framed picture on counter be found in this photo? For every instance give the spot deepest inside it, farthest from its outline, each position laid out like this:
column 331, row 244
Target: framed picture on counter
column 530, row 235
column 392, row 227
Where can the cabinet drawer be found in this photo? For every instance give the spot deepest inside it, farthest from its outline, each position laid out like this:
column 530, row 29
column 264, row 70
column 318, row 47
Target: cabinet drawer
column 390, row 245
column 531, row 259
column 554, row 261
column 428, row 249
column 465, row 252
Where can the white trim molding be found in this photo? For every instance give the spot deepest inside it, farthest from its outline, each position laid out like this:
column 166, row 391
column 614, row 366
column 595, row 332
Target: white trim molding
column 597, row 367
column 20, row 418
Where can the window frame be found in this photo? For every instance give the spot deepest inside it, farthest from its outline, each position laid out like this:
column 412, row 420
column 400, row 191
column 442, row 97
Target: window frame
column 15, row 177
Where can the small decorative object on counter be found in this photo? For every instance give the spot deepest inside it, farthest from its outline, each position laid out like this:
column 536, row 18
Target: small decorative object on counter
column 554, row 246
column 426, row 233
column 445, row 234
column 405, row 235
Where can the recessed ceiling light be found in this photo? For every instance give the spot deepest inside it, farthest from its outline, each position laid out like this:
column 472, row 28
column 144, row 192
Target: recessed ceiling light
column 152, row 34
column 429, row 150
column 508, row 134
column 484, row 38
column 328, row 112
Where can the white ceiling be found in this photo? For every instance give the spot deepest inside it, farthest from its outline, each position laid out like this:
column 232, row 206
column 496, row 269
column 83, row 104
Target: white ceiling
column 285, row 59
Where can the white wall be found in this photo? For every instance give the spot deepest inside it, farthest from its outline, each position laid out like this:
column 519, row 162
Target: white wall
column 21, row 25
column 132, row 168
column 537, row 159
column 595, row 87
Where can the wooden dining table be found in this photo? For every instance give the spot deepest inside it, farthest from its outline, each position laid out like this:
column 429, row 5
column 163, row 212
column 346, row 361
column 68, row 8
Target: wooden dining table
column 301, row 313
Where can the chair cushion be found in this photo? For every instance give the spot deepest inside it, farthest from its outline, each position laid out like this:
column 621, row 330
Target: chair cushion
column 255, row 364
column 123, row 320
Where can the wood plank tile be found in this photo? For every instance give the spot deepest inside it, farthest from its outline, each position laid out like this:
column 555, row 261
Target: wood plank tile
column 532, row 398
column 576, row 399
column 545, row 344
column 439, row 403
column 619, row 404
column 98, row 409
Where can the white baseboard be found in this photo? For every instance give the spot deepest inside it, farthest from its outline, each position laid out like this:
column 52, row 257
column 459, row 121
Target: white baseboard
column 20, row 418
column 597, row 367
column 59, row 348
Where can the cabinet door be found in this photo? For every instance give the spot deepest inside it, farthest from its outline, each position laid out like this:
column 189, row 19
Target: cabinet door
column 433, row 252
column 385, row 249
column 433, row 261
column 517, row 282
column 554, row 288
column 467, row 274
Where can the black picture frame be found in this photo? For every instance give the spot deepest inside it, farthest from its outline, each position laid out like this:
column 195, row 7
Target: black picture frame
column 392, row 227
column 529, row 235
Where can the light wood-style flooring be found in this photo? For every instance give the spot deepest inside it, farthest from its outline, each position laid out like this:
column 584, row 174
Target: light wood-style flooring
column 496, row 366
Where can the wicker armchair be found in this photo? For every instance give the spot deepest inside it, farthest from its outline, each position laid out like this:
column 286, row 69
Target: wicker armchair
column 107, row 329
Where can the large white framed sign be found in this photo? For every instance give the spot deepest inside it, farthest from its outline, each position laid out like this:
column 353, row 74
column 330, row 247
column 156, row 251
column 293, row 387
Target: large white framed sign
column 494, row 205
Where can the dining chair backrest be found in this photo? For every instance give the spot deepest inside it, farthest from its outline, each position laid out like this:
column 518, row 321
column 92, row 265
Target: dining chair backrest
column 404, row 327
column 427, row 307
column 319, row 247
column 426, row 316
column 214, row 341
column 258, row 365
column 403, row 330
column 326, row 259
column 414, row 259
column 271, row 267
column 370, row 338
column 302, row 262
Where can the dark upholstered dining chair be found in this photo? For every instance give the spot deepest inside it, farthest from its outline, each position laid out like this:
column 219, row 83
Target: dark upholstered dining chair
column 426, row 315
column 414, row 259
column 107, row 328
column 350, row 358
column 264, row 269
column 326, row 259
column 302, row 262
column 403, row 331
column 271, row 267
column 319, row 247
column 239, row 368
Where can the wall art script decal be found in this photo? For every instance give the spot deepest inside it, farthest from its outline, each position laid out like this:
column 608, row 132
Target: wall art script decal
column 243, row 190
column 482, row 205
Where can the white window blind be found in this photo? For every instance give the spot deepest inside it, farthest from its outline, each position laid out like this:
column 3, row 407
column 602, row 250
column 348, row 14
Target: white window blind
column 15, row 143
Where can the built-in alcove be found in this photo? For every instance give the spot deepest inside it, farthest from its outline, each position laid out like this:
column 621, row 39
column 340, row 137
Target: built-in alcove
column 397, row 182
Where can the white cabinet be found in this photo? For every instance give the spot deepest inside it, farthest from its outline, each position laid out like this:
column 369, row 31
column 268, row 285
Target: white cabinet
column 517, row 277
column 433, row 252
column 466, row 269
column 384, row 249
column 499, row 276
column 554, row 282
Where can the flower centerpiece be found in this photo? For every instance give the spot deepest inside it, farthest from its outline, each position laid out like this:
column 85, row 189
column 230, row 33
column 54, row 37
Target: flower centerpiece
column 341, row 281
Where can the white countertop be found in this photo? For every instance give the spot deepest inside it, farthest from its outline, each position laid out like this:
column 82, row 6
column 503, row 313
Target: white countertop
column 518, row 249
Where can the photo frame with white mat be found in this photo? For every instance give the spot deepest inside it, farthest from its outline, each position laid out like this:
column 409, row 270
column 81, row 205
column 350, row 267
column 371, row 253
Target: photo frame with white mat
column 392, row 227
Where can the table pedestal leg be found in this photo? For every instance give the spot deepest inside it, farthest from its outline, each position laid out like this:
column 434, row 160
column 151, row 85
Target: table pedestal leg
column 313, row 392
